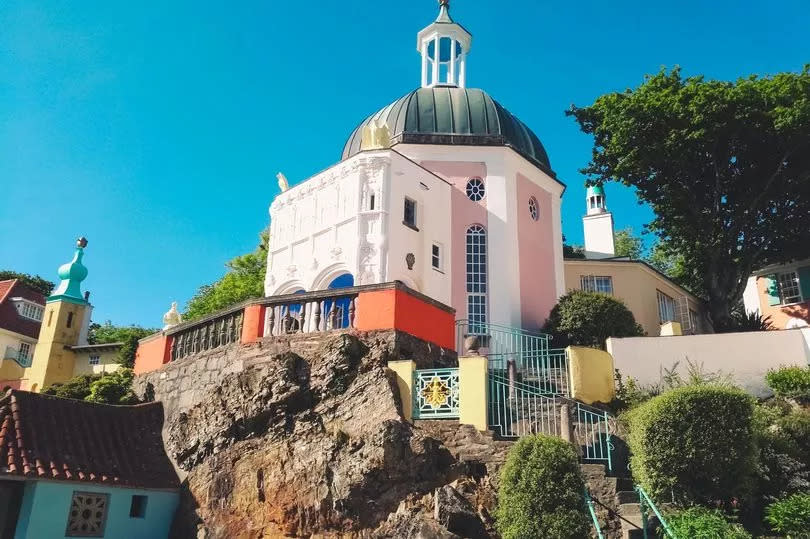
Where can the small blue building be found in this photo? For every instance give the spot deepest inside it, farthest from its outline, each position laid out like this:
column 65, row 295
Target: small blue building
column 75, row 469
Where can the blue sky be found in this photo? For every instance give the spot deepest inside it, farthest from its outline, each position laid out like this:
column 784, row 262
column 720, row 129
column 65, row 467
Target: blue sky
column 156, row 128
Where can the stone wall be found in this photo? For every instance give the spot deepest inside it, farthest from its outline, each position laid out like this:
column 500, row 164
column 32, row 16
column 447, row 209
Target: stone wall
column 183, row 383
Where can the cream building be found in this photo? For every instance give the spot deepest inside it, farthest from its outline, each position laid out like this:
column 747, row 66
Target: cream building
column 654, row 299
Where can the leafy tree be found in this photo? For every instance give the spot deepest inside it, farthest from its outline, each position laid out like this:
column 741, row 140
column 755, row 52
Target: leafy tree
column 128, row 335
column 695, row 443
column 36, row 282
column 588, row 318
column 243, row 280
column 724, row 165
column 572, row 251
column 113, row 388
column 541, row 492
column 628, row 244
column 77, row 388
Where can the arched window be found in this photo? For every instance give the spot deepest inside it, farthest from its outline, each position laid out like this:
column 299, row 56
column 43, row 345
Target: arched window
column 477, row 278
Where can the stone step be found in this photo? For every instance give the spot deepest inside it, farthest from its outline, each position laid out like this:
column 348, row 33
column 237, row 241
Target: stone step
column 626, row 496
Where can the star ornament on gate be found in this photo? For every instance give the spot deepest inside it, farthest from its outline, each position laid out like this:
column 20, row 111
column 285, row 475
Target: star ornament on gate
column 436, row 393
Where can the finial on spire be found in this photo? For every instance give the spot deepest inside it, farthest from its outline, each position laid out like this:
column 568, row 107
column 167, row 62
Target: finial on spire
column 81, row 242
column 444, row 3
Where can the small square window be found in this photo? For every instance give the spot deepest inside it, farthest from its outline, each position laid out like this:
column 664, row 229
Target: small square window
column 436, row 257
column 94, row 360
column 137, row 508
column 409, row 217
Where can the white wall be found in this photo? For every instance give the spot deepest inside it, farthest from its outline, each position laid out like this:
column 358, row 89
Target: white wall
column 747, row 357
column 598, row 230
column 432, row 196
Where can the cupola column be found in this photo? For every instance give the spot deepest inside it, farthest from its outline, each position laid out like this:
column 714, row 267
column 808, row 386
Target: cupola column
column 443, row 46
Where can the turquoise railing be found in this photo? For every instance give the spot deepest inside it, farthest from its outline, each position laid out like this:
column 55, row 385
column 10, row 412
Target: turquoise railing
column 644, row 502
column 435, row 393
column 593, row 434
column 527, row 352
column 592, row 511
column 516, row 409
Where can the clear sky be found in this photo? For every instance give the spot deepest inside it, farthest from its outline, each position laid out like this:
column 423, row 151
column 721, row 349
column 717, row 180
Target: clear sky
column 156, row 128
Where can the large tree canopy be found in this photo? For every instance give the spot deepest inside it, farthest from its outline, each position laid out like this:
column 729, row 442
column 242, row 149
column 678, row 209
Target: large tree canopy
column 243, row 280
column 724, row 165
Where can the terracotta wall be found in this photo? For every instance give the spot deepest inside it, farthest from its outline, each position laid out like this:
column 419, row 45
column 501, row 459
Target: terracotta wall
column 153, row 352
column 780, row 314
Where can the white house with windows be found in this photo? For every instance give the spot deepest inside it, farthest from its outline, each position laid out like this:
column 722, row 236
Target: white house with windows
column 442, row 189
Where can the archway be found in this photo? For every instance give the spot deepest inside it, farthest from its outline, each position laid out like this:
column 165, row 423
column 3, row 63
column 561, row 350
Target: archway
column 345, row 280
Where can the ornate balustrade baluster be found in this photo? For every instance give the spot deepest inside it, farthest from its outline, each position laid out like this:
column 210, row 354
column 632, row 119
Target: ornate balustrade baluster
column 333, row 316
column 303, row 318
column 271, row 330
column 317, row 316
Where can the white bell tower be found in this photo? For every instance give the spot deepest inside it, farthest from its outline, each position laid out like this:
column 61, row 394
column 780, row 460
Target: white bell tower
column 444, row 46
column 598, row 225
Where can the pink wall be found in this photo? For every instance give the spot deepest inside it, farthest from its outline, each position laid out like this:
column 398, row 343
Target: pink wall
column 464, row 212
column 536, row 251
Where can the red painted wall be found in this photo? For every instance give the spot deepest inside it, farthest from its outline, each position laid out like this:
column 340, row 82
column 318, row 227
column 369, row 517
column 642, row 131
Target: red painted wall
column 397, row 309
column 153, row 353
column 253, row 323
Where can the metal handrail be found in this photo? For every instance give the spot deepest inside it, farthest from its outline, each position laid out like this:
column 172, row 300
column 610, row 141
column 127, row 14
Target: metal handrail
column 643, row 498
column 595, row 520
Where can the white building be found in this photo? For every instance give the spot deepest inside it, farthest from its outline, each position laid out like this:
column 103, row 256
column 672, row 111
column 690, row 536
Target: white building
column 443, row 189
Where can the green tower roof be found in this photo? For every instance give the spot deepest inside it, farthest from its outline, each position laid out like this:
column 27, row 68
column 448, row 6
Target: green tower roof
column 594, row 190
column 72, row 274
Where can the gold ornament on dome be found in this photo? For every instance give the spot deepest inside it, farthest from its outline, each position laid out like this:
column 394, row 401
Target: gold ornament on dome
column 436, row 393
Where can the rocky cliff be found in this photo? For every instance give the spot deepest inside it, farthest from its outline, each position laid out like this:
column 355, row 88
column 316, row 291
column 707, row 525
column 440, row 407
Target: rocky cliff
column 308, row 439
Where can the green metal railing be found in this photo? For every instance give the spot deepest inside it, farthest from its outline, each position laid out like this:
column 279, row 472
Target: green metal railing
column 526, row 352
column 592, row 511
column 435, row 393
column 516, row 409
column 645, row 501
column 593, row 434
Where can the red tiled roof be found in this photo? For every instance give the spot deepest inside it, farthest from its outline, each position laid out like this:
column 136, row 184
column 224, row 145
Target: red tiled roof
column 10, row 319
column 45, row 437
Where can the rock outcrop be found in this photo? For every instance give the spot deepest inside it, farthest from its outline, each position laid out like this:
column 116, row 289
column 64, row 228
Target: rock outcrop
column 314, row 443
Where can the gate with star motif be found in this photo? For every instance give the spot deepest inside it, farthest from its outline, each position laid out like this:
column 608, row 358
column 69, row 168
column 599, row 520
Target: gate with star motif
column 435, row 393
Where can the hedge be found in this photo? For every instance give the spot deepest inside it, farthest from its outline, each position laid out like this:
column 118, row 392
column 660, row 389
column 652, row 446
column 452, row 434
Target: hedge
column 790, row 382
column 701, row 522
column 694, row 442
column 541, row 492
column 790, row 516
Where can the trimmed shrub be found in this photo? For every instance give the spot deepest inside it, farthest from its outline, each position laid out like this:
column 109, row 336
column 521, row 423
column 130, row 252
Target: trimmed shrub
column 541, row 492
column 795, row 426
column 695, row 442
column 588, row 318
column 707, row 523
column 790, row 516
column 790, row 382
column 113, row 388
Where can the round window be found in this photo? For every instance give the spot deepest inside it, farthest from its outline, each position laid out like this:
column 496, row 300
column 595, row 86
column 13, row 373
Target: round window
column 475, row 189
column 534, row 210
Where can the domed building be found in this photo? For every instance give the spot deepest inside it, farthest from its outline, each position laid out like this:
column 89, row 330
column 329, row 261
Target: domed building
column 444, row 189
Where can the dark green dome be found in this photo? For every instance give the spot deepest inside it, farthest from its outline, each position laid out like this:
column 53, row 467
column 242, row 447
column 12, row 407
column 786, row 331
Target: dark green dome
column 450, row 115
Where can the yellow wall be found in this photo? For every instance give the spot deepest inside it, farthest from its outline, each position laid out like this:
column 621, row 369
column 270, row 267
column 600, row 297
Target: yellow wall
column 636, row 285
column 107, row 362
column 472, row 391
column 404, row 376
column 52, row 361
column 591, row 374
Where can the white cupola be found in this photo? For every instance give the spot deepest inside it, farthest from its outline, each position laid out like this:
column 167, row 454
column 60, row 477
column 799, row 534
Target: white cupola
column 443, row 46
column 598, row 225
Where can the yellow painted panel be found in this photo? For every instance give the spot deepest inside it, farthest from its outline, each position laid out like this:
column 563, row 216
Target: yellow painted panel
column 472, row 380
column 591, row 374
column 404, row 372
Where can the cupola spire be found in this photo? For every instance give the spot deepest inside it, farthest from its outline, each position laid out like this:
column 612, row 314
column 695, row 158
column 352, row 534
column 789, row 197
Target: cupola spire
column 72, row 274
column 444, row 45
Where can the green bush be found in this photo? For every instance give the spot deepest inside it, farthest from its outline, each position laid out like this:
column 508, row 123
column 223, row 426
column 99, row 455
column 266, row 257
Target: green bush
column 113, row 388
column 795, row 426
column 790, row 382
column 588, row 318
column 77, row 387
column 699, row 522
column 790, row 516
column 695, row 442
column 541, row 492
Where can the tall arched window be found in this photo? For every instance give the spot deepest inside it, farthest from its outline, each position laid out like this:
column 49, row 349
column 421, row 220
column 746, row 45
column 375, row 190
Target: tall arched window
column 477, row 278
